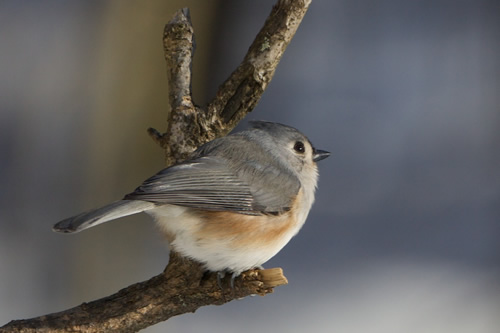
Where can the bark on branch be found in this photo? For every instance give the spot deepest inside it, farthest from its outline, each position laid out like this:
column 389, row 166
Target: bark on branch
column 183, row 286
column 189, row 126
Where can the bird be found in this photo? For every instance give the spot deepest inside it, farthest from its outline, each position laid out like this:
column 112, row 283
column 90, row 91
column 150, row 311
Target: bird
column 233, row 204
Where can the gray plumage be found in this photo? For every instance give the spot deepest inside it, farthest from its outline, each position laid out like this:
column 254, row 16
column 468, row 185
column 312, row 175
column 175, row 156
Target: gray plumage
column 107, row 213
column 222, row 175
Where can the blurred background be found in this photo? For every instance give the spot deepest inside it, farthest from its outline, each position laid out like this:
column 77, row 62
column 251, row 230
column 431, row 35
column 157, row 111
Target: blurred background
column 405, row 232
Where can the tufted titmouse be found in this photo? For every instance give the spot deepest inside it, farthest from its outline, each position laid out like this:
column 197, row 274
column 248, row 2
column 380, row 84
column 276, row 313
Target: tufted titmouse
column 233, row 204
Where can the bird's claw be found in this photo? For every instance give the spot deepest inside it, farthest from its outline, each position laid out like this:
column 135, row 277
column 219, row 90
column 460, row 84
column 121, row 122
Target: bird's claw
column 221, row 275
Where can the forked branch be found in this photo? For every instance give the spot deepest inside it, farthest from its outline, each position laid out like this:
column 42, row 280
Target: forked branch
column 183, row 286
column 190, row 126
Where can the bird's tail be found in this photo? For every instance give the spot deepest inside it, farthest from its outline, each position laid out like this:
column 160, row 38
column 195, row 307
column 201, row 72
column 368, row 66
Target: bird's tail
column 107, row 213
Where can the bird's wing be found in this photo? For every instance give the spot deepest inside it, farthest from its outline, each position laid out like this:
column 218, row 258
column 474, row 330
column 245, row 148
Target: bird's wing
column 208, row 183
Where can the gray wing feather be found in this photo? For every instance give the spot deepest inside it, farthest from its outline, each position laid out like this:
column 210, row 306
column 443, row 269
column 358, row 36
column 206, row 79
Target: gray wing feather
column 272, row 183
column 213, row 183
column 205, row 183
column 107, row 213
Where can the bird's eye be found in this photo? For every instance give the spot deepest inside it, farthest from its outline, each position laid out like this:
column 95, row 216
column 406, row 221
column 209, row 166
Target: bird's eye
column 299, row 147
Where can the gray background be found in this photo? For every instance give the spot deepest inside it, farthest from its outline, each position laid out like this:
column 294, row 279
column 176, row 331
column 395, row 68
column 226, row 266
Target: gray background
column 404, row 235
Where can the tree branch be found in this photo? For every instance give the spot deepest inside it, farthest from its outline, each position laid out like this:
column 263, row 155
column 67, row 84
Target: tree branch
column 183, row 286
column 239, row 94
column 190, row 126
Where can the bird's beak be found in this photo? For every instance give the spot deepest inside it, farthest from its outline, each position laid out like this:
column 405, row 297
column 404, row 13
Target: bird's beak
column 319, row 155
